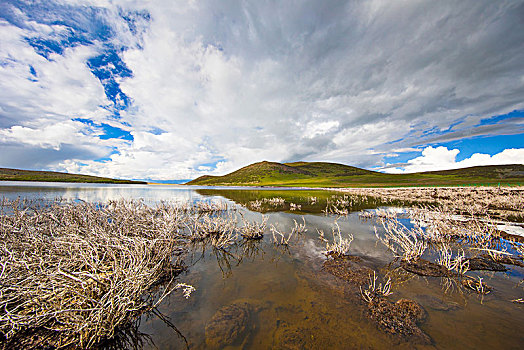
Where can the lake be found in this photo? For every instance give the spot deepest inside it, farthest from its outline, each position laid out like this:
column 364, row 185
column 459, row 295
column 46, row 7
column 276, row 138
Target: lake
column 261, row 295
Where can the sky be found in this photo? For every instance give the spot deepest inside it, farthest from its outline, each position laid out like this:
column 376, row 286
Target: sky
column 167, row 90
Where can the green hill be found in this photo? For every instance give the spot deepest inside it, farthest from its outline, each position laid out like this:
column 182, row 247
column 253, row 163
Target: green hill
column 52, row 176
column 321, row 174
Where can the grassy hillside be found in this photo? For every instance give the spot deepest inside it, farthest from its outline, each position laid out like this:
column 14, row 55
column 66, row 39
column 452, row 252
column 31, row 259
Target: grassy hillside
column 51, row 176
column 319, row 174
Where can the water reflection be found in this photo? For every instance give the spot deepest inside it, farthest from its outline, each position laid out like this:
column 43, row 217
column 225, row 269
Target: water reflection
column 97, row 192
column 298, row 201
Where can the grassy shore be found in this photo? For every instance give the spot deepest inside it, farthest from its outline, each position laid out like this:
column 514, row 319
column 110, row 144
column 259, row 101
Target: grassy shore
column 51, row 176
column 318, row 174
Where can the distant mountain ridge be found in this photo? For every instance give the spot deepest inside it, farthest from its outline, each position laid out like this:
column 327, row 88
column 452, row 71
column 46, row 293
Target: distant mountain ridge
column 324, row 174
column 7, row 174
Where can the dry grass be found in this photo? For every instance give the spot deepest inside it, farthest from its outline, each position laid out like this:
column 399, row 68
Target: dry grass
column 439, row 230
column 255, row 205
column 340, row 246
column 520, row 249
column 299, row 229
column 343, row 205
column 440, row 224
column 458, row 263
column 409, row 244
column 373, row 290
column 293, row 206
column 478, row 235
column 72, row 275
column 253, row 230
column 476, row 285
column 282, row 238
column 275, row 201
column 504, row 202
column 208, row 207
column 219, row 230
column 440, row 227
column 279, row 237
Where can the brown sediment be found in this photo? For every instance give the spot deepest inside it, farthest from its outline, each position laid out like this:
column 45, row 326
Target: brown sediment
column 228, row 326
column 436, row 303
column 425, row 268
column 399, row 318
column 349, row 268
column 291, row 337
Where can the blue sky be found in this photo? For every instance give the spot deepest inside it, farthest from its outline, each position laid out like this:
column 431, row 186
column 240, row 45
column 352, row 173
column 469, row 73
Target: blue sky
column 164, row 92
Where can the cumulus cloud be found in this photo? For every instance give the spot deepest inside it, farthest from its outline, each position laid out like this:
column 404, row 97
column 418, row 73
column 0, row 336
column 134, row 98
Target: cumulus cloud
column 34, row 87
column 207, row 87
column 442, row 158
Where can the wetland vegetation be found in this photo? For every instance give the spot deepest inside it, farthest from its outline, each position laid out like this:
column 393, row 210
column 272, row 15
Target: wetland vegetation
column 265, row 269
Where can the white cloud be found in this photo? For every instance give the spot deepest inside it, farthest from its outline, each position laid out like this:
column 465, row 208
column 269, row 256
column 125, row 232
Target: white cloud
column 51, row 136
column 316, row 128
column 442, row 158
column 63, row 88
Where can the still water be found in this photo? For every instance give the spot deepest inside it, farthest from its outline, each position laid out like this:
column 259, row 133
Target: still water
column 258, row 295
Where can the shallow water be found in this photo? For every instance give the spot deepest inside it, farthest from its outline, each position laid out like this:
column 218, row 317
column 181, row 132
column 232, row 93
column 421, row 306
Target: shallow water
column 292, row 302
